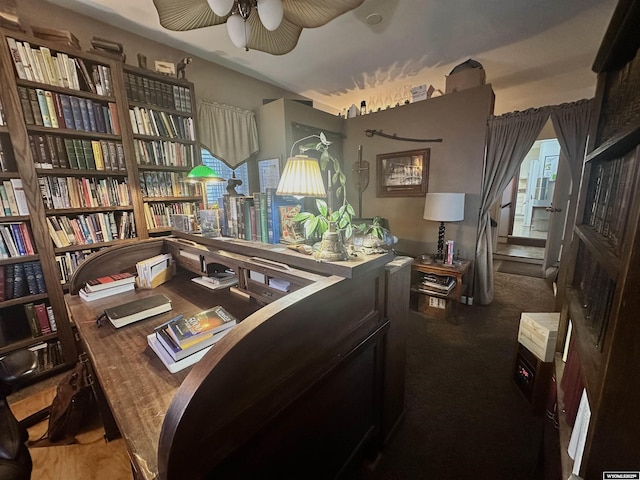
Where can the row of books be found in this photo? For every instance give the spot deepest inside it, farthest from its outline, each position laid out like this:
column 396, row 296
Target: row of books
column 13, row 199
column 68, row 262
column 57, row 110
column 161, row 124
column 53, row 151
column 148, row 90
column 21, row 279
column 15, row 240
column 48, row 355
column 609, row 196
column 262, row 217
column 73, row 192
column 7, row 157
column 40, row 64
column 87, row 229
column 181, row 342
column 596, row 289
column 41, row 319
column 167, row 184
column 158, row 215
column 3, row 119
column 166, row 153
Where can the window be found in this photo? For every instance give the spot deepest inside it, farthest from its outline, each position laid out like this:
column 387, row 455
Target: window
column 216, row 190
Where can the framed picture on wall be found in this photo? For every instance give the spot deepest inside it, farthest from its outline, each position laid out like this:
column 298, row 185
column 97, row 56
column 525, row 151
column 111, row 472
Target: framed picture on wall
column 403, row 174
column 269, row 173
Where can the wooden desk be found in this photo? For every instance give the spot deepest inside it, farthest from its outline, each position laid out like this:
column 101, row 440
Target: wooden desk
column 295, row 390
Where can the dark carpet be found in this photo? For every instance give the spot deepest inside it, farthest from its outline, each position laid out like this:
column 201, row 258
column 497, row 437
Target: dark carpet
column 465, row 418
column 520, row 268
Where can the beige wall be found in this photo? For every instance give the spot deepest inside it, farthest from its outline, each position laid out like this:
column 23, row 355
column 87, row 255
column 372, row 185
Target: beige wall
column 211, row 81
column 455, row 164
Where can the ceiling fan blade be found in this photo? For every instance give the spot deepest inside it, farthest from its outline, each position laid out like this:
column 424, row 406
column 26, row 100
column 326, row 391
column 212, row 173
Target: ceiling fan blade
column 181, row 15
column 278, row 42
column 315, row 13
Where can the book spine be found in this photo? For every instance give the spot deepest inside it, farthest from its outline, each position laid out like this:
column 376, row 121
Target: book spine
column 43, row 318
column 30, row 313
column 19, row 282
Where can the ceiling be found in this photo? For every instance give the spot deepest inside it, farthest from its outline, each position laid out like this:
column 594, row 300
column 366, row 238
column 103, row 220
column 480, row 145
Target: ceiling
column 534, row 52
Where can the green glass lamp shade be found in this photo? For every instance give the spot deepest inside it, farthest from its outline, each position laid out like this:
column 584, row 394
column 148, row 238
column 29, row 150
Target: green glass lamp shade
column 204, row 173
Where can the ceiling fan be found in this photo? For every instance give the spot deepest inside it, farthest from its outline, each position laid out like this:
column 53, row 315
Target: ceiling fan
column 271, row 26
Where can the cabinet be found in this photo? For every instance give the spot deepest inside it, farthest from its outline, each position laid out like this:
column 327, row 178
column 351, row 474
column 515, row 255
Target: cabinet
column 162, row 117
column 431, row 301
column 602, row 299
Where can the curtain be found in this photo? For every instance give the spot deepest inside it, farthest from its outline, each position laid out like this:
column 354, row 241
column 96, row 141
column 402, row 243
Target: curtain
column 571, row 123
column 228, row 132
column 509, row 139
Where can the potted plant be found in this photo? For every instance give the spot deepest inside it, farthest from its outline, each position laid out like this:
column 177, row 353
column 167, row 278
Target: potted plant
column 315, row 225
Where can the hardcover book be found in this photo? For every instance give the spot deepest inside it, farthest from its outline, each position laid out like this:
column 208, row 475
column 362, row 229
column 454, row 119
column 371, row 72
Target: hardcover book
column 110, row 281
column 139, row 309
column 201, row 325
column 177, row 353
column 92, row 296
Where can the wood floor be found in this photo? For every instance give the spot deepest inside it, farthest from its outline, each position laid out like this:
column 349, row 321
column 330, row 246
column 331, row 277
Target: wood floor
column 91, row 457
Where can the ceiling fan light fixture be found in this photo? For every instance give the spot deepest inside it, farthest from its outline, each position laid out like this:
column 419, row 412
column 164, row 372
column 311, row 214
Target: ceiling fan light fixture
column 220, row 7
column 271, row 13
column 239, row 31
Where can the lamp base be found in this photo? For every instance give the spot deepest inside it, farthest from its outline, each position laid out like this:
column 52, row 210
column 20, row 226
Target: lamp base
column 440, row 255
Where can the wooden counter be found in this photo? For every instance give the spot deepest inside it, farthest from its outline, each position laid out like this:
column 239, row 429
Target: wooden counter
column 296, row 390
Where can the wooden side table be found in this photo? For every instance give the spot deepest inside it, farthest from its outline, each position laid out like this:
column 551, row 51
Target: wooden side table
column 457, row 270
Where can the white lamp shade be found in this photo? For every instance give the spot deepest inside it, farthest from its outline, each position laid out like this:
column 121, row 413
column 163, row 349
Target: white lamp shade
column 271, row 13
column 220, row 7
column 301, row 177
column 444, row 207
column 239, row 31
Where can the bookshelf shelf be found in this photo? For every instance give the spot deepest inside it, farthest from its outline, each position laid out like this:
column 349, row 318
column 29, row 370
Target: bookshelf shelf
column 23, row 300
column 163, row 168
column 160, row 138
column 14, row 218
column 72, row 172
column 600, row 249
column 19, row 259
column 94, row 246
column 618, row 145
column 71, row 211
column 196, row 198
column 163, row 109
column 66, row 91
column 74, row 133
column 28, row 342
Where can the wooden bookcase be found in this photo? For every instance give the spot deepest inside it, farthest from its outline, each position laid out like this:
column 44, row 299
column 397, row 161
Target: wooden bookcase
column 602, row 298
column 165, row 146
column 82, row 182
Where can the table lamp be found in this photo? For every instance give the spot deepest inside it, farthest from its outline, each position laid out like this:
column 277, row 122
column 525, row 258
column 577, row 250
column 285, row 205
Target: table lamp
column 209, row 219
column 301, row 178
column 443, row 207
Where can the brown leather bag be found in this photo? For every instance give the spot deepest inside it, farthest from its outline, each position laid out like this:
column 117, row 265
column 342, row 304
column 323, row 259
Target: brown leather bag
column 70, row 406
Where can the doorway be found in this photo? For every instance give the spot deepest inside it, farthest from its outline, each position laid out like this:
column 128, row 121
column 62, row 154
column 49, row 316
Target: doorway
column 528, row 229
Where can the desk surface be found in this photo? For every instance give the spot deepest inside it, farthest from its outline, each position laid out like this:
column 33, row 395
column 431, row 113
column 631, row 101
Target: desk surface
column 137, row 385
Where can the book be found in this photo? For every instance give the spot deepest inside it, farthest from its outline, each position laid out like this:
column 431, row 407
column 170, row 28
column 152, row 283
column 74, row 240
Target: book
column 89, row 296
column 172, row 365
column 201, row 325
column 19, row 282
column 32, row 320
column 110, row 281
column 213, row 283
column 43, row 318
column 176, row 352
column 137, row 310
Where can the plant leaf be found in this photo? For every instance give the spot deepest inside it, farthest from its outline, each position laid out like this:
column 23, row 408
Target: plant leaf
column 302, row 217
column 310, row 226
column 321, row 205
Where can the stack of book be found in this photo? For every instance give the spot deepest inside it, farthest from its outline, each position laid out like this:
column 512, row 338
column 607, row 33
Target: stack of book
column 437, row 284
column 217, row 280
column 181, row 341
column 106, row 286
